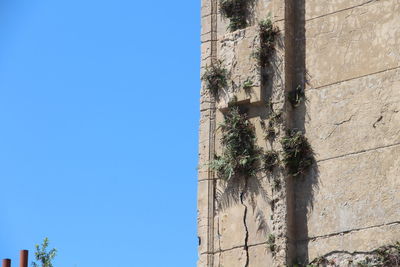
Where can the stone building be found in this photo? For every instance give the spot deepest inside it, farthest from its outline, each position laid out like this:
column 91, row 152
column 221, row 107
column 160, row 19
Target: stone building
column 333, row 74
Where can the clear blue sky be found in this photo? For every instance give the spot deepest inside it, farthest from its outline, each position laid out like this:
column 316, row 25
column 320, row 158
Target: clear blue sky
column 98, row 130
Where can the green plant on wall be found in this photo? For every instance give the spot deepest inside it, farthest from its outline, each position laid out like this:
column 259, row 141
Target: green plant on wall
column 248, row 84
column 273, row 120
column 384, row 256
column 271, row 243
column 297, row 153
column 297, row 96
column 271, row 132
column 240, row 153
column 215, row 77
column 236, row 11
column 271, row 160
column 268, row 34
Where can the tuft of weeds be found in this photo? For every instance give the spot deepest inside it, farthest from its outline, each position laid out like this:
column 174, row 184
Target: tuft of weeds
column 271, row 160
column 240, row 155
column 277, row 183
column 271, row 243
column 297, row 153
column 236, row 11
column 269, row 130
column 273, row 119
column 248, row 84
column 320, row 260
column 233, row 101
column 267, row 34
column 385, row 256
column 215, row 77
column 297, row 96
column 388, row 255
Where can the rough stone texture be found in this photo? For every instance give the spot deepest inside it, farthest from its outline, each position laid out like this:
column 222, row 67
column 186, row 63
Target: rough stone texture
column 230, row 233
column 202, row 220
column 258, row 256
column 346, row 54
column 235, row 50
column 352, row 121
column 232, row 258
column 342, row 247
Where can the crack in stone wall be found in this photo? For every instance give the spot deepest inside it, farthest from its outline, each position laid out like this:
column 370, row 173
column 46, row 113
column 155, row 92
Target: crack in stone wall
column 359, row 152
column 353, row 78
column 344, row 9
column 246, row 238
column 349, row 231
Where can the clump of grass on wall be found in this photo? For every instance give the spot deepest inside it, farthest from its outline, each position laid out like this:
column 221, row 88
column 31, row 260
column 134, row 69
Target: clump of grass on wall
column 297, row 96
column 248, row 84
column 271, row 243
column 297, row 153
column 268, row 34
column 384, row 256
column 240, row 153
column 215, row 77
column 236, row 11
column 271, row 160
column 273, row 120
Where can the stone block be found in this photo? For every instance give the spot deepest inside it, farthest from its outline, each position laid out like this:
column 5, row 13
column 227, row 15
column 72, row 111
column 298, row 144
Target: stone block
column 202, row 215
column 260, row 256
column 351, row 192
column 206, row 53
column 206, row 24
column 355, row 115
column 231, row 258
column 236, row 51
column 206, row 8
column 353, row 43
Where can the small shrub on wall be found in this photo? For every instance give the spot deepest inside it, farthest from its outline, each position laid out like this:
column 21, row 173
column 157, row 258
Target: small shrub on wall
column 267, row 33
column 215, row 78
column 236, row 11
column 297, row 153
column 240, row 153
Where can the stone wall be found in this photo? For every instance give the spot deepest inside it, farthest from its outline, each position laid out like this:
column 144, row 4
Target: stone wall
column 346, row 56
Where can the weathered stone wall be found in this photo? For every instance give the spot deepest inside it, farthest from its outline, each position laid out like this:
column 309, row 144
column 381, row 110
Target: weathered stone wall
column 352, row 60
column 346, row 54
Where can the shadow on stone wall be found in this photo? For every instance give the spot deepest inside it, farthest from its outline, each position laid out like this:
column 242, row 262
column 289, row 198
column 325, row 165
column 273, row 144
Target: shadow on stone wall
column 306, row 186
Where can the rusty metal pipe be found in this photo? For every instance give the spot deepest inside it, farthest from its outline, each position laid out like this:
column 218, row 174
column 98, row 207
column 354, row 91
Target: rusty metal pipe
column 23, row 258
column 6, row 263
